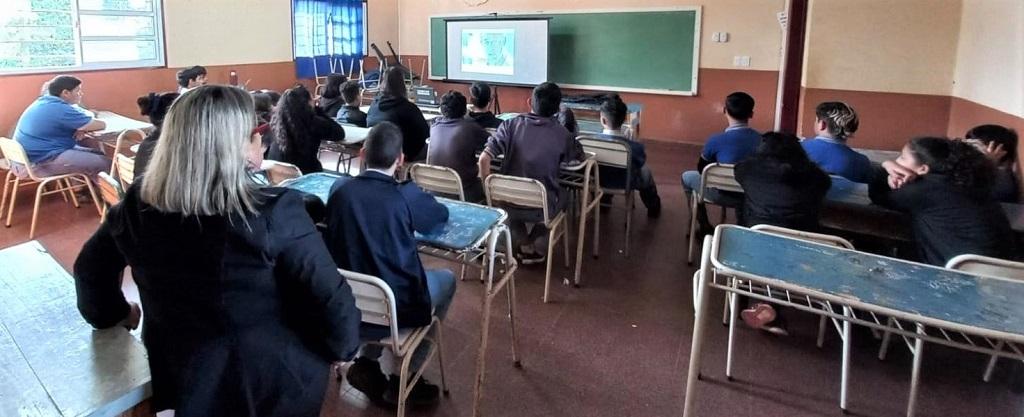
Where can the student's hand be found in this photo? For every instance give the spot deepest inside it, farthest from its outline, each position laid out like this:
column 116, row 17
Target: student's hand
column 898, row 172
column 994, row 151
column 134, row 317
column 894, row 183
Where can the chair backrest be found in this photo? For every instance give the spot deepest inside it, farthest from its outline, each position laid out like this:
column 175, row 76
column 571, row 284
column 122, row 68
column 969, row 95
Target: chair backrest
column 375, row 301
column 125, row 170
column 802, row 235
column 437, row 179
column 518, row 191
column 984, row 265
column 608, row 152
column 720, row 177
column 14, row 152
column 110, row 189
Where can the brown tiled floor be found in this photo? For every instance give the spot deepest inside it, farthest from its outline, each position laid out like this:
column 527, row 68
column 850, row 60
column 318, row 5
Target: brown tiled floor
column 619, row 346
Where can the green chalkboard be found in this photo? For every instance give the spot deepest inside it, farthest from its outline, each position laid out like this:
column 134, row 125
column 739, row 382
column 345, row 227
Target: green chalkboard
column 638, row 50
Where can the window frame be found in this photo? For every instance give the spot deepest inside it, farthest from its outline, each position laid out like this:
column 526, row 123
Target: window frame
column 160, row 61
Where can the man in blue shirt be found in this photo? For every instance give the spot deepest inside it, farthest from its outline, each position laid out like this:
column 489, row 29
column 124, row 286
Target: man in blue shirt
column 834, row 123
column 613, row 116
column 51, row 127
column 732, row 146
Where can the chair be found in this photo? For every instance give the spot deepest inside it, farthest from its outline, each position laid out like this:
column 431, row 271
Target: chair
column 125, row 170
column 719, row 177
column 123, row 145
column 110, row 191
column 64, row 183
column 438, row 180
column 615, row 153
column 530, row 194
column 376, row 302
column 993, row 267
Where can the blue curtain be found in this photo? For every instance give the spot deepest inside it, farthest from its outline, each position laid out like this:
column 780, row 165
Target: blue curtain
column 328, row 36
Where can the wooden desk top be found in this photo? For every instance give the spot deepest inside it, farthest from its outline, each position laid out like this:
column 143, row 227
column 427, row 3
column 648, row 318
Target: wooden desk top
column 53, row 363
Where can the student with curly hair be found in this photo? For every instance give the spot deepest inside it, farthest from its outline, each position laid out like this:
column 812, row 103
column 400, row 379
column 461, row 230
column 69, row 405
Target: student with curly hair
column 945, row 187
column 999, row 143
column 298, row 127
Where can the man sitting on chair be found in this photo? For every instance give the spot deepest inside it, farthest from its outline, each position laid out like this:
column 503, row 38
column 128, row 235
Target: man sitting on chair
column 50, row 130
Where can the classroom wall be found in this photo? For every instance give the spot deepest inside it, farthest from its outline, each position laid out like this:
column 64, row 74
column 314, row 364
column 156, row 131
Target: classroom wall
column 893, row 61
column 752, row 25
column 382, row 24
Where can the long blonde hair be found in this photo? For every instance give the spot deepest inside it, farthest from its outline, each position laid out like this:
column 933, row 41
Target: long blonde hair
column 199, row 166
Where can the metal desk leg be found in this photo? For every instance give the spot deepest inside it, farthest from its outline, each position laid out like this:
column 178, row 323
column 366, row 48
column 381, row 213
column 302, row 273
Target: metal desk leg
column 731, row 308
column 845, row 375
column 698, row 331
column 485, row 322
column 915, row 372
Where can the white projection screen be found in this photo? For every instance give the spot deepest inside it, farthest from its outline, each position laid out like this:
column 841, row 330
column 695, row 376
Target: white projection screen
column 498, row 51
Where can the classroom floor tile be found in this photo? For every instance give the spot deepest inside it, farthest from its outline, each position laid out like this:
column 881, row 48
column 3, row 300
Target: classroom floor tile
column 620, row 344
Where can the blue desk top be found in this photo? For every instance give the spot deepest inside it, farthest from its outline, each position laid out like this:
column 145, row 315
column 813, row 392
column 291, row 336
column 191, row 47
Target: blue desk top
column 467, row 223
column 52, row 363
column 936, row 293
column 848, row 192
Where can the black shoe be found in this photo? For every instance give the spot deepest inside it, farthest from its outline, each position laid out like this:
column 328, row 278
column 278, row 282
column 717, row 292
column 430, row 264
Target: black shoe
column 365, row 375
column 423, row 394
column 654, row 210
column 532, row 258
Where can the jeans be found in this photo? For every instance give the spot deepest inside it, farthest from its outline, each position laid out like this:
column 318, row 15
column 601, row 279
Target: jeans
column 441, row 286
column 691, row 183
column 79, row 160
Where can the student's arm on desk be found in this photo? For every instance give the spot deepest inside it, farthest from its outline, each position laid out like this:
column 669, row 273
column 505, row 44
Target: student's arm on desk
column 303, row 262
column 903, row 197
column 497, row 145
column 428, row 214
column 98, row 282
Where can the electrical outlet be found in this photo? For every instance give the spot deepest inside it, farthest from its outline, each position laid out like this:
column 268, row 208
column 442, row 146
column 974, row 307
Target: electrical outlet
column 723, row 37
column 716, row 37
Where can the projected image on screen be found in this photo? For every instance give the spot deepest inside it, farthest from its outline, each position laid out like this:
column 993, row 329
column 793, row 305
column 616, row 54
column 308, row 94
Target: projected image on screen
column 489, row 51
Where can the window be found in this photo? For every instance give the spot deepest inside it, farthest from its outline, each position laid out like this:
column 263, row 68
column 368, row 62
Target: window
column 69, row 35
column 329, row 35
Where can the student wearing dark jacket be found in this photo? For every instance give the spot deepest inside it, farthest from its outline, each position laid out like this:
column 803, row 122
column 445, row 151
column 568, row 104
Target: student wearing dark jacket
column 480, row 98
column 245, row 312
column 350, row 112
column 999, row 144
column 155, row 106
column 393, row 105
column 782, row 187
column 944, row 186
column 613, row 115
column 455, row 142
column 371, row 220
column 330, row 100
column 298, row 129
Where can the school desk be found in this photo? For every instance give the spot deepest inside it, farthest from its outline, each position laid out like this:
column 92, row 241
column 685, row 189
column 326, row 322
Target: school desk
column 53, row 362
column 878, row 156
column 429, row 113
column 347, row 149
column 929, row 304
column 588, row 117
column 470, row 237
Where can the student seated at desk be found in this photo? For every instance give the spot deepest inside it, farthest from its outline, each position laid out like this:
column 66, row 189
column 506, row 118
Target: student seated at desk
column 393, row 105
column 736, row 143
column 567, row 118
column 480, row 98
column 155, row 106
column 330, row 100
column 454, row 143
column 264, row 106
column 1000, row 145
column 945, row 187
column 371, row 220
column 613, row 116
column 534, row 145
column 190, row 78
column 298, row 127
column 245, row 311
column 51, row 129
column 350, row 112
column 834, row 123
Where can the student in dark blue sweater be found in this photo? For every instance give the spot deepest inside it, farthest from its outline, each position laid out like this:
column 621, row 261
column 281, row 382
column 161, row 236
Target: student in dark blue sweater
column 613, row 115
column 732, row 146
column 834, row 123
column 371, row 219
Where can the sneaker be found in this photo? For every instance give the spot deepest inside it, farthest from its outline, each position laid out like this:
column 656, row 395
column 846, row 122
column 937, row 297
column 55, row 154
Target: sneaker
column 532, row 258
column 365, row 375
column 423, row 394
column 758, row 316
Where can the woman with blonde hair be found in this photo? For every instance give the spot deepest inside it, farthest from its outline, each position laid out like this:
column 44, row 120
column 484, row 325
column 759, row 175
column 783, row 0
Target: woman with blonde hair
column 245, row 311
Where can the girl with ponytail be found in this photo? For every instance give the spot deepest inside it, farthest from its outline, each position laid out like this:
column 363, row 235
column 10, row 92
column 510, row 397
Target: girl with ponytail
column 155, row 106
column 944, row 185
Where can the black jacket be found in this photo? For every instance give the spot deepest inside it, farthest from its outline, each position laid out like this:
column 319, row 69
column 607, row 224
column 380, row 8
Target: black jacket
column 781, row 194
column 145, row 152
column 351, row 115
column 330, row 106
column 244, row 318
column 948, row 220
column 407, row 116
column 370, row 223
column 486, row 119
column 304, row 155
